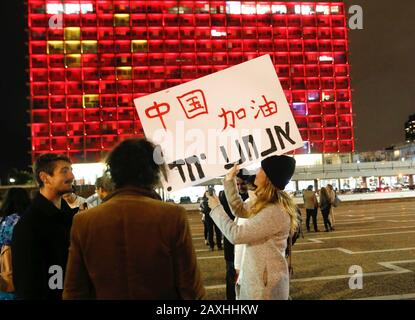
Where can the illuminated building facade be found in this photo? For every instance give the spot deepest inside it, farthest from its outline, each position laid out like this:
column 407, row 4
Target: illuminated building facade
column 410, row 129
column 90, row 59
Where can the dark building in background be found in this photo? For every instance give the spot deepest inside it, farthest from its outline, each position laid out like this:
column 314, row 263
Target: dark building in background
column 86, row 71
column 410, row 129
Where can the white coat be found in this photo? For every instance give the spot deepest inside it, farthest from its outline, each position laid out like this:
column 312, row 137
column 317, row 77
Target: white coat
column 264, row 267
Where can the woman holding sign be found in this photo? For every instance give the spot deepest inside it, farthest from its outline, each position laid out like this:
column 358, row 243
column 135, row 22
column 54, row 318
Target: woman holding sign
column 271, row 219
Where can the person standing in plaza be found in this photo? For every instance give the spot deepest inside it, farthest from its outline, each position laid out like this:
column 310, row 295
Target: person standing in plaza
column 133, row 246
column 332, row 197
column 229, row 248
column 325, row 206
column 14, row 205
column 202, row 209
column 311, row 206
column 212, row 229
column 272, row 218
column 40, row 239
column 103, row 187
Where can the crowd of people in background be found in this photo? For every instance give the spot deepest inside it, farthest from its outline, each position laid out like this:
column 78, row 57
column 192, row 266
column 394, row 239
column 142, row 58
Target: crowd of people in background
column 123, row 242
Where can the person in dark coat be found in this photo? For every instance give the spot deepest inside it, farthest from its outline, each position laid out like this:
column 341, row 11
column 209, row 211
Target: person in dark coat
column 211, row 227
column 325, row 206
column 40, row 239
column 133, row 246
column 229, row 248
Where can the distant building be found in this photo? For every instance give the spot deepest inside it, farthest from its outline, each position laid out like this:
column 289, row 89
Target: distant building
column 410, row 129
column 404, row 151
column 374, row 156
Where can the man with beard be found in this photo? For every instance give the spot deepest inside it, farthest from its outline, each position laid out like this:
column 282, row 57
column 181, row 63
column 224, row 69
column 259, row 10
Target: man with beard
column 41, row 237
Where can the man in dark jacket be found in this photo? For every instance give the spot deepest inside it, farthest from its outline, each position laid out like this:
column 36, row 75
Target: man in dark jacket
column 210, row 225
column 41, row 237
column 229, row 248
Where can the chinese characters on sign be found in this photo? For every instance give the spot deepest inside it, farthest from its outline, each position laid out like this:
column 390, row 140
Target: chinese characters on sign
column 204, row 126
column 194, row 104
column 157, row 111
column 268, row 109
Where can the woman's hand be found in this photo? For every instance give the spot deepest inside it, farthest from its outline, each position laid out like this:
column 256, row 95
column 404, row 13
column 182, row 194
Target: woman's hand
column 232, row 173
column 213, row 201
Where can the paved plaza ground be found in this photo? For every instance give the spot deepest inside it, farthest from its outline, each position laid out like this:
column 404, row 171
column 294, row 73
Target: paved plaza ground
column 377, row 236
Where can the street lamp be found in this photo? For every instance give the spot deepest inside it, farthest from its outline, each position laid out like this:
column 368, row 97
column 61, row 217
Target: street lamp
column 12, row 180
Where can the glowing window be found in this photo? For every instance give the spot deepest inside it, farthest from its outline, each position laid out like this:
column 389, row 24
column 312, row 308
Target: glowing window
column 233, row 7
column 248, row 9
column 320, row 9
column 54, row 8
column 325, row 58
column 216, row 33
column 303, row 9
column 279, row 9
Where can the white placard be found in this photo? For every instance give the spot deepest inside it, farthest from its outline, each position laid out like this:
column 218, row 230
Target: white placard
column 239, row 114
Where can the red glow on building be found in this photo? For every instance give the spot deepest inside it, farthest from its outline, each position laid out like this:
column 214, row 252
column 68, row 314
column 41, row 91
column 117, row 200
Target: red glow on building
column 90, row 59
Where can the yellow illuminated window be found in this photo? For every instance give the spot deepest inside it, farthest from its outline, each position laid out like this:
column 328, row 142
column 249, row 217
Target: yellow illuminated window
column 90, row 101
column 123, row 73
column 139, row 46
column 89, row 46
column 121, row 20
column 73, row 61
column 55, row 47
column 72, row 47
column 72, row 33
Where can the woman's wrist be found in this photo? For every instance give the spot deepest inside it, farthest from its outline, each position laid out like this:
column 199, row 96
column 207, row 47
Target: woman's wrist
column 229, row 178
column 216, row 206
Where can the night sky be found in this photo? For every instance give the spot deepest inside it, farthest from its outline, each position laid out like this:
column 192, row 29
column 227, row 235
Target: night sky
column 382, row 68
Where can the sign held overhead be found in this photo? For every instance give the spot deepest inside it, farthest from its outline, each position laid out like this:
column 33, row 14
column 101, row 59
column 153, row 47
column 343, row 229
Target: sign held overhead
column 206, row 125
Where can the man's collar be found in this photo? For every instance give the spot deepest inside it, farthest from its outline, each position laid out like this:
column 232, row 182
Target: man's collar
column 47, row 206
column 131, row 190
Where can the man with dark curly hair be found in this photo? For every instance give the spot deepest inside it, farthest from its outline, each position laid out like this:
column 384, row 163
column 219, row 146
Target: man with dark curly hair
column 133, row 246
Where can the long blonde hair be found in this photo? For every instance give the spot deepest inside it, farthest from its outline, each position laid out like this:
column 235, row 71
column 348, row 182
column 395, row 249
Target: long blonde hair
column 269, row 194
